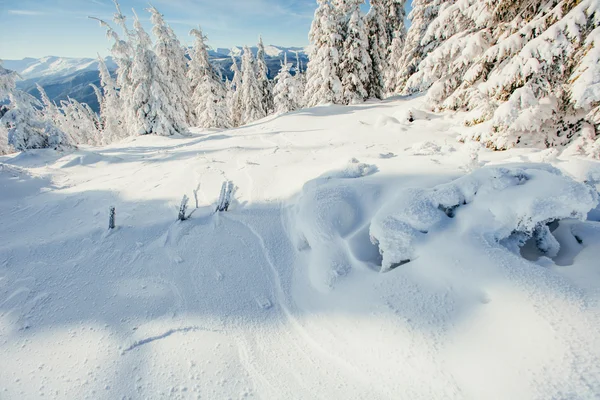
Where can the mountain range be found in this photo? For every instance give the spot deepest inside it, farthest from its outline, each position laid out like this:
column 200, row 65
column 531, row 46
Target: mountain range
column 64, row 77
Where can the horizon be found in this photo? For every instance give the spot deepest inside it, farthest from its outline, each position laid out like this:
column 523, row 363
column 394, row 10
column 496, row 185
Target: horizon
column 36, row 28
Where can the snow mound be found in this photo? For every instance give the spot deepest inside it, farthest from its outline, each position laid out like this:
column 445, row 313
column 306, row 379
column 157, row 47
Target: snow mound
column 354, row 169
column 86, row 158
column 430, row 149
column 410, row 115
column 509, row 204
column 386, row 120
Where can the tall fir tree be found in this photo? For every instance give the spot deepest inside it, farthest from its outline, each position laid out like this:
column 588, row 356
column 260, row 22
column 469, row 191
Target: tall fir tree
column 235, row 94
column 323, row 84
column 8, row 79
column 110, row 106
column 209, row 96
column 25, row 126
column 251, row 96
column 378, row 45
column 142, row 114
column 423, row 12
column 355, row 66
column 263, row 77
column 170, row 76
column 285, row 95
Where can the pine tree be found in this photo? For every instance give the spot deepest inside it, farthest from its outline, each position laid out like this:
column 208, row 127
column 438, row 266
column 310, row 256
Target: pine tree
column 285, row 89
column 27, row 127
column 171, row 84
column 110, row 107
column 378, row 45
column 209, row 96
column 80, row 123
column 299, row 83
column 142, row 114
column 8, row 81
column 251, row 96
column 422, row 14
column 122, row 52
column 263, row 77
column 526, row 66
column 355, row 66
column 392, row 73
column 323, row 83
column 49, row 111
column 235, row 95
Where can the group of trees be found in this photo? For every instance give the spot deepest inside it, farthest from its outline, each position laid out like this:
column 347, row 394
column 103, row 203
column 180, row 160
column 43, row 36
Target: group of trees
column 531, row 69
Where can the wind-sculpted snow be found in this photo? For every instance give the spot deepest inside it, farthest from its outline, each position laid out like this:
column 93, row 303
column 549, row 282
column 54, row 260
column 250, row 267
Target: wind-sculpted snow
column 495, row 202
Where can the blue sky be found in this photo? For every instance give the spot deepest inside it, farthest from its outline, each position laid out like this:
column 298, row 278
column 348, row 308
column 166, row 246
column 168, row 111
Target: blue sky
column 37, row 28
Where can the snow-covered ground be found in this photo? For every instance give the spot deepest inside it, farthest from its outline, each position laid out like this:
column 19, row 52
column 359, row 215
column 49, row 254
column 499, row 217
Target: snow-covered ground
column 282, row 297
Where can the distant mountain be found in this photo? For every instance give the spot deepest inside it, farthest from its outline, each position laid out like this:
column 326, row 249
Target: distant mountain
column 34, row 68
column 64, row 77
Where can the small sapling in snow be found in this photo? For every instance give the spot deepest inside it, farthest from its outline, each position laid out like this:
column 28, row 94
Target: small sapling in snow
column 183, row 208
column 111, row 218
column 225, row 196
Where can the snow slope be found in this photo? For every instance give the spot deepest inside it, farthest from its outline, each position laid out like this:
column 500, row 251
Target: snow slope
column 281, row 297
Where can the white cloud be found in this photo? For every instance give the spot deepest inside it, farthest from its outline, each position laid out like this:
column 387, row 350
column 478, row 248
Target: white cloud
column 25, row 12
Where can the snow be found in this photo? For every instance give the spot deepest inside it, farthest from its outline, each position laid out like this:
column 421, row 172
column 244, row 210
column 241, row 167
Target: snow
column 30, row 68
column 282, row 296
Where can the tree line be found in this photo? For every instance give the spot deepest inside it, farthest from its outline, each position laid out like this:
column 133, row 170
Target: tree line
column 528, row 72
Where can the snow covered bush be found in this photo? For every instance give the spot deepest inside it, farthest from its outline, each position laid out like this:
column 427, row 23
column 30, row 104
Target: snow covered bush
column 504, row 204
column 24, row 126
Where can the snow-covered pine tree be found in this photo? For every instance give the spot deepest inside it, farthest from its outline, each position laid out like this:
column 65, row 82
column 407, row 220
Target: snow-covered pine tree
column 122, row 52
column 378, row 45
column 285, row 89
column 392, row 73
column 171, row 84
column 27, row 127
column 423, row 12
column 299, row 83
column 251, row 96
column 263, row 77
column 355, row 65
column 234, row 97
column 527, row 66
column 209, row 96
column 111, row 106
column 323, row 84
column 385, row 22
column 50, row 111
column 142, row 114
column 80, row 123
column 8, row 81
column 394, row 16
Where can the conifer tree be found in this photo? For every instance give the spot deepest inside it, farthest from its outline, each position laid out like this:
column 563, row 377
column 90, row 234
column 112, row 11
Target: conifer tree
column 355, row 66
column 299, row 83
column 142, row 113
column 80, row 123
column 285, row 95
column 110, row 106
column 171, row 83
column 323, row 83
column 27, row 127
column 235, row 95
column 8, row 81
column 208, row 92
column 251, row 96
column 263, row 77
column 378, row 45
column 423, row 12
